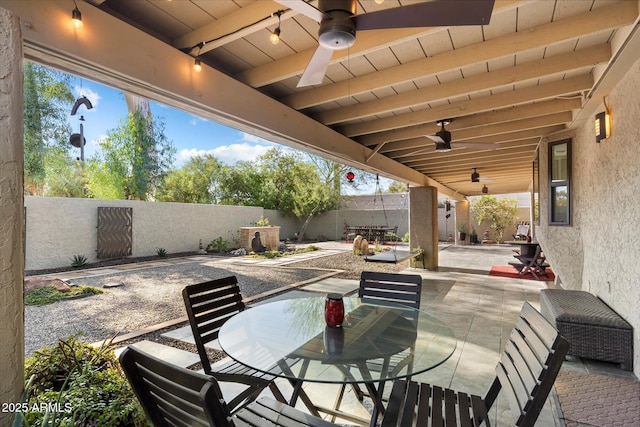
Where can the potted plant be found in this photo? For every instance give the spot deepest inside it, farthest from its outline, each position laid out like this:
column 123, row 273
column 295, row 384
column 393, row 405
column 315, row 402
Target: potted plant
column 462, row 231
column 473, row 237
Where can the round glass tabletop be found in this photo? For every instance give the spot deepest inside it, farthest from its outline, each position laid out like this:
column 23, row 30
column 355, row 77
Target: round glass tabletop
column 289, row 338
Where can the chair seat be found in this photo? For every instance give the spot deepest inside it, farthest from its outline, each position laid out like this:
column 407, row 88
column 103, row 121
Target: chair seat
column 435, row 406
column 264, row 411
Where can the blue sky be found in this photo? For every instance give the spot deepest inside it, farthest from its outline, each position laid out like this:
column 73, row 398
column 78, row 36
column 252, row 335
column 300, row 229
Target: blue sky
column 190, row 135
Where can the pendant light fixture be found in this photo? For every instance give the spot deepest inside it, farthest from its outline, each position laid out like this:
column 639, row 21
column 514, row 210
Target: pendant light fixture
column 274, row 38
column 197, row 65
column 76, row 16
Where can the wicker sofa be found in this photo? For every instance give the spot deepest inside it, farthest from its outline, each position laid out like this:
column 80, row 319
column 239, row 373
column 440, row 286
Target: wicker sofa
column 592, row 328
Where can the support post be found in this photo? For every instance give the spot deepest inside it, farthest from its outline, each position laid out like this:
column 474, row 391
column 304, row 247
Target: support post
column 11, row 215
column 423, row 223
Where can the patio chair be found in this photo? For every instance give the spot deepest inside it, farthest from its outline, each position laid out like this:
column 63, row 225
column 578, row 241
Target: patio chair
column 525, row 373
column 209, row 305
column 381, row 288
column 521, row 232
column 175, row 396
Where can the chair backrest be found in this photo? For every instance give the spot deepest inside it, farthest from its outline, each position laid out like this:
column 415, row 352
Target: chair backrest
column 174, row 396
column 209, row 305
column 403, row 289
column 528, row 366
column 523, row 230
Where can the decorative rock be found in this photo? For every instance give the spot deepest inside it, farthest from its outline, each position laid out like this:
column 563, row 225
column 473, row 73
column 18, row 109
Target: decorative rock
column 31, row 283
column 364, row 247
column 356, row 243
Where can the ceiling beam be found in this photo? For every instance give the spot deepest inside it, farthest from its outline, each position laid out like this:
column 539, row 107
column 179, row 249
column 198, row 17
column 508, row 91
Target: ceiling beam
column 475, row 83
column 227, row 29
column 612, row 16
column 481, row 119
column 368, row 41
column 569, row 86
column 421, row 153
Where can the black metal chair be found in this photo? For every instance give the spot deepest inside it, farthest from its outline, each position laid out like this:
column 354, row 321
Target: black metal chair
column 385, row 288
column 525, row 373
column 209, row 305
column 175, row 396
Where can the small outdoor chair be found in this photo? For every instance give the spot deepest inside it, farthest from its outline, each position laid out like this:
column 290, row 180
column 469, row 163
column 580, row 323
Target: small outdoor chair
column 209, row 305
column 175, row 396
column 381, row 288
column 526, row 372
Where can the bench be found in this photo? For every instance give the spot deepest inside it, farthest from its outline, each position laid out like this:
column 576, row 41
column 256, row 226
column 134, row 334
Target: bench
column 592, row 328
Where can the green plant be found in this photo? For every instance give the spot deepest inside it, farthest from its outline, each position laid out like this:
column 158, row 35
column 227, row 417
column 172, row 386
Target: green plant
column 161, row 252
column 262, row 222
column 500, row 212
column 86, row 383
column 405, row 238
column 49, row 294
column 79, row 261
column 218, row 244
column 462, row 227
column 418, row 257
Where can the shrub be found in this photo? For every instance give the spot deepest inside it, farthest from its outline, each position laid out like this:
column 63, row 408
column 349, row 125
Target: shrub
column 218, row 244
column 161, row 252
column 87, row 383
column 79, row 261
column 49, row 294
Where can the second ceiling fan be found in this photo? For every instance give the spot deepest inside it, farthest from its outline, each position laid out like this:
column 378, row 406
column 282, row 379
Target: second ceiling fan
column 339, row 23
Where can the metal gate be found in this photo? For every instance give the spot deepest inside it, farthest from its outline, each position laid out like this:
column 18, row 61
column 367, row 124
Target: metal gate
column 115, row 227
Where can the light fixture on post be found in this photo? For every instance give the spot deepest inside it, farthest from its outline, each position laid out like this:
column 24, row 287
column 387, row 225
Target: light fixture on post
column 602, row 126
column 76, row 16
column 197, row 65
column 274, row 38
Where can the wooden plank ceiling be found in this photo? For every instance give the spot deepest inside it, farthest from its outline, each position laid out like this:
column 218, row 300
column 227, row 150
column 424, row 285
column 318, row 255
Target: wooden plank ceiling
column 523, row 76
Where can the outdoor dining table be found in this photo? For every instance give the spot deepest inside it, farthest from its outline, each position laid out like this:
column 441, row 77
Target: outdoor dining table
column 527, row 249
column 289, row 338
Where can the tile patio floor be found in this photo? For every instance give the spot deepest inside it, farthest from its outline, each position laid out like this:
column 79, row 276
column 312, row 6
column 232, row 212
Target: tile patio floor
column 482, row 311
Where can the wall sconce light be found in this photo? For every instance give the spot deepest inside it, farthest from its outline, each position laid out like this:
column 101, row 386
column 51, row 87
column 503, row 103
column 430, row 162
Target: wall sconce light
column 76, row 16
column 274, row 38
column 197, row 65
column 602, row 126
column 485, row 189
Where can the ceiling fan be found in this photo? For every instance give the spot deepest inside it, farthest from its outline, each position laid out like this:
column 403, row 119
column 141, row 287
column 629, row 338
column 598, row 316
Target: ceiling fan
column 339, row 23
column 475, row 177
column 442, row 138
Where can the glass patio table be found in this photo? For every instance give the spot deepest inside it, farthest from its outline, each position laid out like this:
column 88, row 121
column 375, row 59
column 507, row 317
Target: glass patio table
column 376, row 343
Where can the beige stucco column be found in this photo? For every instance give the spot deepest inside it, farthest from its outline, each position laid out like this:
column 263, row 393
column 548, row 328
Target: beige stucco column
column 423, row 223
column 462, row 217
column 11, row 215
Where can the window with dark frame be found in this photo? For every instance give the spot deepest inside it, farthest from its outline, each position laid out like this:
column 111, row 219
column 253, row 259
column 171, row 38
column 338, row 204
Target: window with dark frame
column 560, row 183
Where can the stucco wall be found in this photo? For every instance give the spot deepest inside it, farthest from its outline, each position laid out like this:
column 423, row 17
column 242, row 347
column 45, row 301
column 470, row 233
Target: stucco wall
column 11, row 261
column 599, row 251
column 59, row 228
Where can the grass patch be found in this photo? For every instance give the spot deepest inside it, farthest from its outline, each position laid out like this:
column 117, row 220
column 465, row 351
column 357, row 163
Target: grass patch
column 49, row 294
column 276, row 254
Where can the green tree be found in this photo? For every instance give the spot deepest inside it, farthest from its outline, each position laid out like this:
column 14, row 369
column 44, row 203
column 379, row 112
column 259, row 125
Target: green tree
column 64, row 175
column 197, row 182
column 284, row 181
column 397, row 187
column 47, row 103
column 131, row 161
column 500, row 212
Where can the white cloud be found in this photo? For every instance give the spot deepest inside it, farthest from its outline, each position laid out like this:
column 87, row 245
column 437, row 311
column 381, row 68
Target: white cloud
column 247, row 137
column 194, row 120
column 94, row 98
column 228, row 154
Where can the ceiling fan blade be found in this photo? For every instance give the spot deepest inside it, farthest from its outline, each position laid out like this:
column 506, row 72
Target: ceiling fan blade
column 304, row 8
column 428, row 14
column 476, row 145
column 435, row 138
column 316, row 68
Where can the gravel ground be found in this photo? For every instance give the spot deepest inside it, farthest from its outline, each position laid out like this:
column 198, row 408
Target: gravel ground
column 153, row 295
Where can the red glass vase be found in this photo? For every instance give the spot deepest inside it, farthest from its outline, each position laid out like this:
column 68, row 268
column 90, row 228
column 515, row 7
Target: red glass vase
column 334, row 310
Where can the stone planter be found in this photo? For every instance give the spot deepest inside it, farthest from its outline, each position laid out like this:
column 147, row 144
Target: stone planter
column 269, row 236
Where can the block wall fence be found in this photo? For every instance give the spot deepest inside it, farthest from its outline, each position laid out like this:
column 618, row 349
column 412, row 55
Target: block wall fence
column 57, row 229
